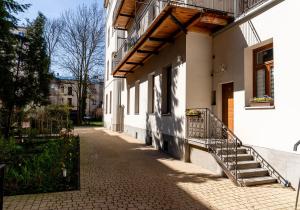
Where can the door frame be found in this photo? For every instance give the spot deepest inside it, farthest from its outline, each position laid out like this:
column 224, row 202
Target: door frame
column 226, row 83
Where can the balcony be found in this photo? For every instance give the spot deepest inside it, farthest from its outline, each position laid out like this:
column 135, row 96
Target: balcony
column 156, row 23
column 123, row 13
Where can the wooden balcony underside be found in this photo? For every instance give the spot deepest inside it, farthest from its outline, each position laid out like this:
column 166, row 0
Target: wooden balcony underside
column 124, row 14
column 172, row 21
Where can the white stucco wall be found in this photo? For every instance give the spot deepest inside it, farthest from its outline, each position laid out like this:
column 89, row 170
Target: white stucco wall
column 276, row 128
column 174, row 124
column 199, row 68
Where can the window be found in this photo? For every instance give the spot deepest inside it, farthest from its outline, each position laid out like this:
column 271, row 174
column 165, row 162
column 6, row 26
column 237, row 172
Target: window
column 108, row 37
column 110, row 100
column 128, row 100
column 69, row 91
column 62, row 89
column 70, row 102
column 166, row 90
column 94, row 101
column 106, row 104
column 151, row 86
column 107, row 70
column 263, row 72
column 137, row 98
column 62, row 100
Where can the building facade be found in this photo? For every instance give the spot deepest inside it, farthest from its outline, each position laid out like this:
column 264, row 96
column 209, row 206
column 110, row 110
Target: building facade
column 183, row 75
column 63, row 92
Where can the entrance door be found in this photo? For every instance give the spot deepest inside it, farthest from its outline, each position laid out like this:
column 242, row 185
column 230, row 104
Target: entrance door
column 228, row 105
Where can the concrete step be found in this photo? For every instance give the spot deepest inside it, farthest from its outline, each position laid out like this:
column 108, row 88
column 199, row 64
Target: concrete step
column 245, row 164
column 240, row 150
column 259, row 180
column 253, row 172
column 240, row 157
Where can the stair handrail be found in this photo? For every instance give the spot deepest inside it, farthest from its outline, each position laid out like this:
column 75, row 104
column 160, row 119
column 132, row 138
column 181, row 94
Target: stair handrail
column 216, row 133
column 226, row 132
column 270, row 168
column 297, row 197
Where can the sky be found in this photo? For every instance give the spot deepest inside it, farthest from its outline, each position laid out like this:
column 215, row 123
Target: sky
column 50, row 8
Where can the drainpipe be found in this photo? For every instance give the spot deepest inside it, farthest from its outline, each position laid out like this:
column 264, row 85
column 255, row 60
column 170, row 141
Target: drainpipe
column 249, row 15
column 296, row 146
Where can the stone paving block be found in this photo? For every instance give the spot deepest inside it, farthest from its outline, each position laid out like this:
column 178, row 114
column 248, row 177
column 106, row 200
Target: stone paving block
column 118, row 172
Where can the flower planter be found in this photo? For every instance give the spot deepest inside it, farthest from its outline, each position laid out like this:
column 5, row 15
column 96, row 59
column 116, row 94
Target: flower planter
column 253, row 104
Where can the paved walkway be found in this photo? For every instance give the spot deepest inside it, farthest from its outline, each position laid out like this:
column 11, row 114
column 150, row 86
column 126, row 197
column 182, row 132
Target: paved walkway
column 117, row 172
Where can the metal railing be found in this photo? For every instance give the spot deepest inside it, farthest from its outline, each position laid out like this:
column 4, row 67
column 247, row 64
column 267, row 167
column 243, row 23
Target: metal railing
column 147, row 13
column 297, row 197
column 1, row 185
column 243, row 6
column 220, row 140
column 267, row 166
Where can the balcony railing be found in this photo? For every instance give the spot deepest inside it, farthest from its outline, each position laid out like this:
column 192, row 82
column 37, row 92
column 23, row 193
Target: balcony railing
column 1, row 185
column 147, row 13
column 243, row 6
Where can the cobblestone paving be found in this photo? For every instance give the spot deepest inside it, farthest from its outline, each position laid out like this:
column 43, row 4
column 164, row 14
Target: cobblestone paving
column 117, row 172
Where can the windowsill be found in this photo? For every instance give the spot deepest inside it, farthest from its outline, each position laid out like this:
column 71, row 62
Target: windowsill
column 166, row 114
column 258, row 107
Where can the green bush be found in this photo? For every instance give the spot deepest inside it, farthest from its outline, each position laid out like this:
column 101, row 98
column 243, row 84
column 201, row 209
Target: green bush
column 36, row 166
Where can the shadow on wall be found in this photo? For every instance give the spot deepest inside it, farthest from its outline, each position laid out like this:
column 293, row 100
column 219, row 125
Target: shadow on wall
column 146, row 174
column 164, row 129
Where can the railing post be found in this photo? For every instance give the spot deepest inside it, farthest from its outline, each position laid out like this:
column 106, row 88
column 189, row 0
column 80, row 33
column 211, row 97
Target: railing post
column 1, row 185
column 297, row 198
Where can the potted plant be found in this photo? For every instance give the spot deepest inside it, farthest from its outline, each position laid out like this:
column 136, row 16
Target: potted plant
column 262, row 101
column 192, row 112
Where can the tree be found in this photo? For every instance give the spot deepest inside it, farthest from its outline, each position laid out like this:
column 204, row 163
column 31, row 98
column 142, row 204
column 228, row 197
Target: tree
column 82, row 48
column 52, row 33
column 28, row 78
column 8, row 22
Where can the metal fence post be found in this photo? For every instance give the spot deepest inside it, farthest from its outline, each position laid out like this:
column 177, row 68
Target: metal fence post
column 1, row 185
column 297, row 198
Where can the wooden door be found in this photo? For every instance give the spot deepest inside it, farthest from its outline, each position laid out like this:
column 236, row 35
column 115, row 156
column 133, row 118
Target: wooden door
column 228, row 105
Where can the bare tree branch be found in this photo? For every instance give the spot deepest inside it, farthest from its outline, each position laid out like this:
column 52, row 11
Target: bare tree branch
column 82, row 47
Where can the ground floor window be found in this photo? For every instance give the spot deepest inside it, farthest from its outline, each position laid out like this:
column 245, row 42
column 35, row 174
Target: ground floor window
column 106, row 104
column 128, row 100
column 263, row 72
column 137, row 97
column 167, row 90
column 151, row 93
column 110, row 101
column 70, row 102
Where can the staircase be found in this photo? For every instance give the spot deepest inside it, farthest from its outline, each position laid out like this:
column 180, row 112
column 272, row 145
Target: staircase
column 241, row 163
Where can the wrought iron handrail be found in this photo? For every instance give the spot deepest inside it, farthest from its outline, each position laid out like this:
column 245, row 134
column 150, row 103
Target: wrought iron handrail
column 139, row 26
column 1, row 185
column 297, row 197
column 220, row 140
column 265, row 164
column 203, row 124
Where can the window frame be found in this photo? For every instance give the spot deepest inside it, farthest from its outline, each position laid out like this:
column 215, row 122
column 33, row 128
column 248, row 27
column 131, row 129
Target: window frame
column 166, row 106
column 70, row 91
column 137, row 97
column 267, row 66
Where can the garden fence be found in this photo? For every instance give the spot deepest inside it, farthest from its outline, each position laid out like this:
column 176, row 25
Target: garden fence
column 1, row 185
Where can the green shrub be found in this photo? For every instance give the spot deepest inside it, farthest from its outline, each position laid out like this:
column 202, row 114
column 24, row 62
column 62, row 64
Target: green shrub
column 36, row 166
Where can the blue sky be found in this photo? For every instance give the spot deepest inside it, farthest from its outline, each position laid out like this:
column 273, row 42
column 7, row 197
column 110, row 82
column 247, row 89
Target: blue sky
column 51, row 8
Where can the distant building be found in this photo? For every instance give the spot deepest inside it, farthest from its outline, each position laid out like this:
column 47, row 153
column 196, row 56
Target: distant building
column 63, row 91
